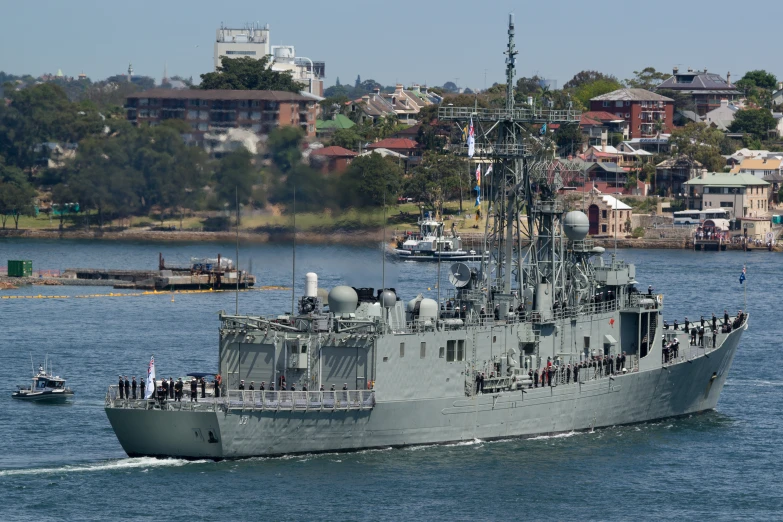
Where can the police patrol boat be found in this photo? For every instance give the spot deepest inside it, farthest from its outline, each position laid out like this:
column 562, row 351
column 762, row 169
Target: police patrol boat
column 46, row 387
column 431, row 244
column 363, row 368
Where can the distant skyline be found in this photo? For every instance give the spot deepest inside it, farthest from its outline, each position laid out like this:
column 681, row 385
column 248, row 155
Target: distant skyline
column 433, row 43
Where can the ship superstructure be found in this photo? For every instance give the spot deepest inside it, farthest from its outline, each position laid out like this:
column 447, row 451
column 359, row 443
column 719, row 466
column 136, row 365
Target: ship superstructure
column 364, row 368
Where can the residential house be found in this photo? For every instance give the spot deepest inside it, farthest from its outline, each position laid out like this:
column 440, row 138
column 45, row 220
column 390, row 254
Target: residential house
column 775, row 183
column 386, row 153
column 218, row 111
column 760, row 167
column 337, row 122
column 743, row 195
column 371, row 106
column 403, row 146
column 743, row 154
column 331, row 159
column 640, row 188
column 777, row 96
column 722, row 116
column 608, row 216
column 706, row 89
column 407, row 103
column 627, row 159
column 657, row 145
column 648, row 114
column 610, row 173
column 598, row 126
column 671, row 174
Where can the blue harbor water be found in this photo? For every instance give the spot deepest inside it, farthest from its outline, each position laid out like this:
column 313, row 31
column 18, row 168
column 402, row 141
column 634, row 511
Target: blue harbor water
column 64, row 462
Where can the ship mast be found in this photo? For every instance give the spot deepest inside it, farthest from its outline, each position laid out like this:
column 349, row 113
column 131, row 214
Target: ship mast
column 524, row 256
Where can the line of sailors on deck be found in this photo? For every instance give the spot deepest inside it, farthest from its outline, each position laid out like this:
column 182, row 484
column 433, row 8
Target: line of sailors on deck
column 165, row 388
column 595, row 367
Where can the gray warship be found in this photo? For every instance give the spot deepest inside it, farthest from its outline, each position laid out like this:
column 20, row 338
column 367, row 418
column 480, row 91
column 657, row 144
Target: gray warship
column 365, row 369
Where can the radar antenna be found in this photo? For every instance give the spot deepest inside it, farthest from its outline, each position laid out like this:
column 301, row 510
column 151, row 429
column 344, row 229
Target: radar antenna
column 525, row 174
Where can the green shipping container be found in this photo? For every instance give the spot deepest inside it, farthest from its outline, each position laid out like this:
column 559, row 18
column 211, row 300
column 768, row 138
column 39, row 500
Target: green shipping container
column 20, row 268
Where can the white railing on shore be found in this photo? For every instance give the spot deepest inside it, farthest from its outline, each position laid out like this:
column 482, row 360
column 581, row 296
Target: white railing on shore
column 254, row 400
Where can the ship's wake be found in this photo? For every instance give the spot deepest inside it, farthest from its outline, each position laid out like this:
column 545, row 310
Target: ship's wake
column 140, row 463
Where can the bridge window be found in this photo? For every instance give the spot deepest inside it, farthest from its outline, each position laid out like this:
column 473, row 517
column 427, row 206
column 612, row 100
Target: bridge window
column 442, row 352
column 402, row 349
column 451, row 351
column 423, row 352
column 461, row 350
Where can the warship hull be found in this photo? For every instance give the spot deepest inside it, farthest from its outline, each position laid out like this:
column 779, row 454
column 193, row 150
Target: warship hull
column 688, row 387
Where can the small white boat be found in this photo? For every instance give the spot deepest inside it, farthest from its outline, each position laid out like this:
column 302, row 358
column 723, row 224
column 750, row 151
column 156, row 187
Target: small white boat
column 431, row 244
column 45, row 388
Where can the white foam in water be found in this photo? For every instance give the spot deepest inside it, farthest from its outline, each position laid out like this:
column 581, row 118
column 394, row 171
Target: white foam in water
column 112, row 465
column 556, row 436
column 467, row 443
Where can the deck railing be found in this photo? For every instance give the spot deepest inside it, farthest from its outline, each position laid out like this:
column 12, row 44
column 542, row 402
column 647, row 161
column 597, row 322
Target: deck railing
column 253, row 400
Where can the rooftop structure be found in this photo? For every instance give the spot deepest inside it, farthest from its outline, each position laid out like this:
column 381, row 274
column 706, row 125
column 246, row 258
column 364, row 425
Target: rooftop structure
column 218, row 111
column 647, row 114
column 707, row 89
column 253, row 41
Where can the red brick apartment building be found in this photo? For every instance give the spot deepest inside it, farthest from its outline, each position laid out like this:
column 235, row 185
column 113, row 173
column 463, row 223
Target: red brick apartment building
column 647, row 113
column 215, row 111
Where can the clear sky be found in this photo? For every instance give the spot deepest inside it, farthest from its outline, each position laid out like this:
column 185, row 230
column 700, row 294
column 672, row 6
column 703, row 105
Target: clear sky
column 428, row 42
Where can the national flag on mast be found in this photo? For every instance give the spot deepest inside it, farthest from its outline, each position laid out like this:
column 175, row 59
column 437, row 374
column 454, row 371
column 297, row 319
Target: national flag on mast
column 478, row 173
column 471, row 139
column 488, row 171
column 742, row 275
column 150, row 376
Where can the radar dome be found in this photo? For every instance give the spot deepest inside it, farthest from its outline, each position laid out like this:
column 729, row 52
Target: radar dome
column 428, row 309
column 576, row 225
column 388, row 298
column 343, row 300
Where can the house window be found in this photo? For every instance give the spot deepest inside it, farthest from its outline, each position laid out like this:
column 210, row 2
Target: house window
column 603, row 228
column 402, row 349
column 606, row 104
column 451, row 349
column 423, row 350
column 627, row 104
column 603, row 214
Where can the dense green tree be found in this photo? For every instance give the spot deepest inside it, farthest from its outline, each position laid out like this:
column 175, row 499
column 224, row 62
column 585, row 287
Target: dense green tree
column 584, row 92
column 16, row 194
column 756, row 122
column 248, row 74
column 235, row 177
column 285, row 147
column 347, row 138
column 648, row 78
column 440, row 177
column 758, row 78
column 369, row 181
column 702, row 143
column 569, row 139
column 587, row 77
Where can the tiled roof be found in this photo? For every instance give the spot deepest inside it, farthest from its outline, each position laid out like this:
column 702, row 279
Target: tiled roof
column 219, row 94
column 601, row 116
column 334, row 152
column 631, row 95
column 340, row 121
column 394, row 143
column 702, row 80
column 758, row 164
column 723, row 179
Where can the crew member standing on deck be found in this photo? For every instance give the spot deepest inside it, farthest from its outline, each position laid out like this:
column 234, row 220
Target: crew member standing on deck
column 193, row 390
column 127, row 388
column 725, row 317
column 178, row 389
column 203, row 388
column 171, row 387
column 141, row 389
column 165, row 385
column 714, row 322
column 121, row 388
column 218, row 382
column 133, row 386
